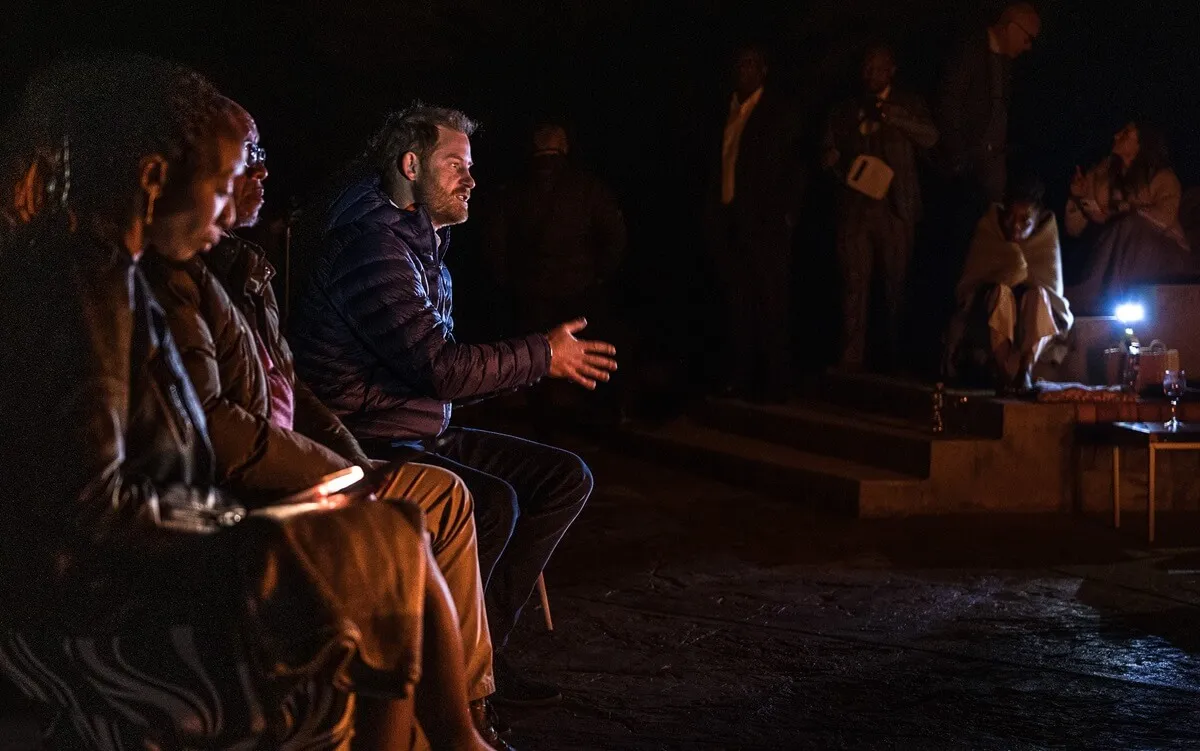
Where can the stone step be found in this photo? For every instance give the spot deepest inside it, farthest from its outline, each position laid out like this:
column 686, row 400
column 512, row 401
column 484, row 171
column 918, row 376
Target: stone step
column 827, row 483
column 964, row 411
column 823, row 429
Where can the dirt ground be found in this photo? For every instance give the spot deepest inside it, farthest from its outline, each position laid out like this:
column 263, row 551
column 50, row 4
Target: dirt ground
column 692, row 615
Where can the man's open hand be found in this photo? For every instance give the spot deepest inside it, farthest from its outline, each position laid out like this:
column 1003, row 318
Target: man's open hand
column 584, row 362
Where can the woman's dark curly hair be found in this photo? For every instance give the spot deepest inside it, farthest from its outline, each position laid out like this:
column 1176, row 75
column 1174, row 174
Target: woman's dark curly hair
column 88, row 121
column 1153, row 157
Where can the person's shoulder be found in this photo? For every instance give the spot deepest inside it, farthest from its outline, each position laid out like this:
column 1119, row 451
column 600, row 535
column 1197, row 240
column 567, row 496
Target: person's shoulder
column 1166, row 177
column 360, row 195
column 776, row 97
column 1099, row 171
column 162, row 272
column 977, row 41
column 970, row 47
column 384, row 223
column 65, row 264
column 381, row 235
column 580, row 175
column 233, row 252
column 906, row 98
column 990, row 221
column 181, row 285
column 845, row 106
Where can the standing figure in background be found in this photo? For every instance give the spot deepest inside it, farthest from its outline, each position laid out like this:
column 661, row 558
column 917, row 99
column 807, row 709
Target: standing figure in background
column 1010, row 297
column 555, row 243
column 975, row 95
column 752, row 211
column 875, row 235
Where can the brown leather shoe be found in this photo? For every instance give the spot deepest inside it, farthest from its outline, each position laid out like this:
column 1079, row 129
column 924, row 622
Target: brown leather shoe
column 485, row 721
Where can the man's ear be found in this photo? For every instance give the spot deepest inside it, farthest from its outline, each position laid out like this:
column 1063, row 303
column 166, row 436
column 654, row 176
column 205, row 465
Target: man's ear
column 410, row 166
column 152, row 176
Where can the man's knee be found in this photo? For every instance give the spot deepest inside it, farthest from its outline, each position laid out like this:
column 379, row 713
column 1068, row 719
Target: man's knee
column 495, row 502
column 1033, row 298
column 427, row 486
column 448, row 486
column 575, row 479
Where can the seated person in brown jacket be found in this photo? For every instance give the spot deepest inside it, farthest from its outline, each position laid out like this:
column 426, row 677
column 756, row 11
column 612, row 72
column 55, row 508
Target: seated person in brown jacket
column 271, row 436
column 1128, row 207
column 1010, row 297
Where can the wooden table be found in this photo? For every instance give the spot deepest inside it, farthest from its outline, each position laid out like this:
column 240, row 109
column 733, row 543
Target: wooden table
column 1154, row 437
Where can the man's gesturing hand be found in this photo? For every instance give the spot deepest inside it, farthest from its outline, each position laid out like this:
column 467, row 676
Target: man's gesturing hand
column 584, row 362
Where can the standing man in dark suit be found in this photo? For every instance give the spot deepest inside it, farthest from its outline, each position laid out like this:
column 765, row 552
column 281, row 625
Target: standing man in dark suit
column 875, row 235
column 752, row 210
column 975, row 94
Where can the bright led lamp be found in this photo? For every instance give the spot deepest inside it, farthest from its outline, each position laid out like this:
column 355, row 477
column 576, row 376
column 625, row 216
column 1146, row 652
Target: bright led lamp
column 1130, row 312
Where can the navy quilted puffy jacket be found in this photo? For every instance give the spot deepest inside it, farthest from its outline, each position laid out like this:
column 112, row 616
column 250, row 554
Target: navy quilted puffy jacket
column 373, row 335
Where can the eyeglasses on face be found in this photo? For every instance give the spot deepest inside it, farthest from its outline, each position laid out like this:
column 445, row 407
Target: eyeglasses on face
column 256, row 155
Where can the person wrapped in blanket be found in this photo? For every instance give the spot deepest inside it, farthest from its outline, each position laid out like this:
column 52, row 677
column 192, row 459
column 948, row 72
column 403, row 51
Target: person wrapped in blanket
column 1010, row 297
column 139, row 605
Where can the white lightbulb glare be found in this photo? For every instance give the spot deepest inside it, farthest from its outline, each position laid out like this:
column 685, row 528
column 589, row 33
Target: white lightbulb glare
column 1130, row 312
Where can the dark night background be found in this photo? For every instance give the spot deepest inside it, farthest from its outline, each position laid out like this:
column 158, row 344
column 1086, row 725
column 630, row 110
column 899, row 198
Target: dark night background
column 641, row 84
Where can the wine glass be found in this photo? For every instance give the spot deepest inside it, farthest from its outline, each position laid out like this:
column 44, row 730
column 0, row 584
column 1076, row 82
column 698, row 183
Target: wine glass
column 1174, row 385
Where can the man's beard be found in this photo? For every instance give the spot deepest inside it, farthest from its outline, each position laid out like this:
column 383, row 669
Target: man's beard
column 248, row 220
column 444, row 207
column 248, row 206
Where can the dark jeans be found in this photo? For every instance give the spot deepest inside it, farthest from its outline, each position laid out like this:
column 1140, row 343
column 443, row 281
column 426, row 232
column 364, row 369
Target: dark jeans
column 526, row 496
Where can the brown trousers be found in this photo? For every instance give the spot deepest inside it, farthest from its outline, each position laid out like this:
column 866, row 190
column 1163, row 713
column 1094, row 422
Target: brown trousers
column 450, row 521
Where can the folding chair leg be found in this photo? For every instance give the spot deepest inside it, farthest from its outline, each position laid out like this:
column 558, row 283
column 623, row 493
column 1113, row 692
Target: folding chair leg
column 541, row 585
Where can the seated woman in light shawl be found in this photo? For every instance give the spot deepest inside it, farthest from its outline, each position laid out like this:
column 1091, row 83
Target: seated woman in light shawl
column 1010, row 297
column 1130, row 204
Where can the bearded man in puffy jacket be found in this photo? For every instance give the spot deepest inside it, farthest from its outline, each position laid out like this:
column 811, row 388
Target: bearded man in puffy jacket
column 374, row 339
